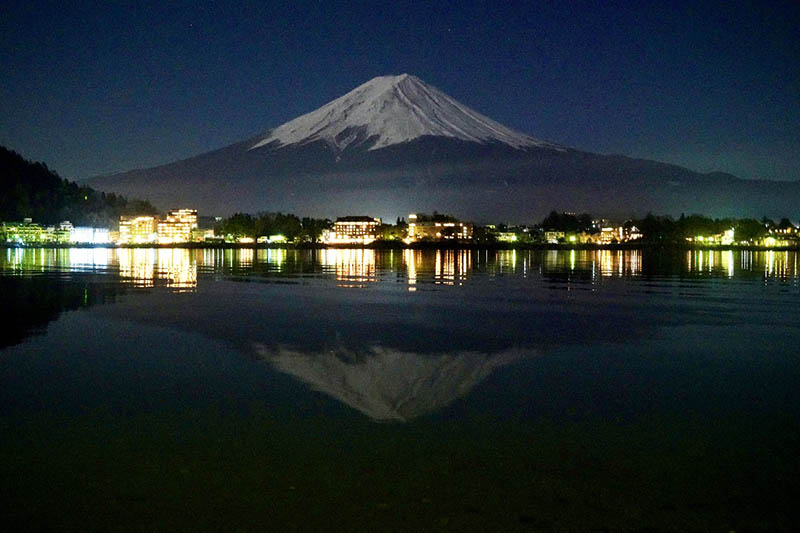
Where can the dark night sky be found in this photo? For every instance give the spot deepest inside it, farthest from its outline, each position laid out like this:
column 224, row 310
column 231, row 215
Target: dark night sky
column 712, row 87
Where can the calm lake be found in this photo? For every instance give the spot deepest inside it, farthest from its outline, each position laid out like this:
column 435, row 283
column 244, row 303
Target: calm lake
column 399, row 390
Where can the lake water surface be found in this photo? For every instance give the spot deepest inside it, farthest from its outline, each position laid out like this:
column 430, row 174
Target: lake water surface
column 399, row 390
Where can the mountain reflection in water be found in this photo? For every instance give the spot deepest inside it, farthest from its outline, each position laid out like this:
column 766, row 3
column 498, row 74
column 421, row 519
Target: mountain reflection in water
column 387, row 384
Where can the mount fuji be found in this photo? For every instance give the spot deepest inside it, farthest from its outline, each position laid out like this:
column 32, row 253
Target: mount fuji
column 396, row 145
column 391, row 110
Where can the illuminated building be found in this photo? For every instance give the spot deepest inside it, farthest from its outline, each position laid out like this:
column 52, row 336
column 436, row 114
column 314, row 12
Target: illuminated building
column 772, row 242
column 782, row 237
column 87, row 235
column 177, row 226
column 25, row 232
column 28, row 232
column 272, row 239
column 202, row 235
column 506, row 236
column 624, row 233
column 553, row 237
column 632, row 233
column 63, row 233
column 589, row 238
column 510, row 234
column 437, row 228
column 137, row 229
column 609, row 235
column 725, row 238
column 352, row 230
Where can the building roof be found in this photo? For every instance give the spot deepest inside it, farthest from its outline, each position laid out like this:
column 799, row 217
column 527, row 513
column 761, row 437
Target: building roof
column 437, row 217
column 356, row 219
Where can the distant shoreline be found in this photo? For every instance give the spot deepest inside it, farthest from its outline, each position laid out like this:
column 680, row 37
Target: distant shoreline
column 416, row 246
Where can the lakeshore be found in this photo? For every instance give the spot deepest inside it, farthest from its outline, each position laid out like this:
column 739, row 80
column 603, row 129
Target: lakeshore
column 399, row 245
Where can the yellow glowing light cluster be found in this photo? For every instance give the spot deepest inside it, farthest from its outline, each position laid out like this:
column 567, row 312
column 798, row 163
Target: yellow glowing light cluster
column 137, row 230
column 176, row 268
column 177, row 226
column 354, row 267
column 726, row 238
column 448, row 230
column 451, row 267
column 352, row 230
column 272, row 239
column 29, row 232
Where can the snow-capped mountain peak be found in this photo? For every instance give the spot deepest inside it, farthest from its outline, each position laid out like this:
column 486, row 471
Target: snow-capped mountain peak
column 389, row 110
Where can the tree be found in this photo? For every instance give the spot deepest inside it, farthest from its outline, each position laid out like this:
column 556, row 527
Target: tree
column 29, row 189
column 313, row 228
column 749, row 229
column 238, row 225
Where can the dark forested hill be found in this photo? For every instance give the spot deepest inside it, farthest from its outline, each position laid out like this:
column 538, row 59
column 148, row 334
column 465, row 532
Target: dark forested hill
column 32, row 190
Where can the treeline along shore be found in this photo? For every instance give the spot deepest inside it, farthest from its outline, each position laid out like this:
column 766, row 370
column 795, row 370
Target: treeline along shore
column 40, row 209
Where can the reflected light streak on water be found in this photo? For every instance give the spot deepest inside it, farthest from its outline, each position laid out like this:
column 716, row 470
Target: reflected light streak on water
column 352, row 267
column 180, row 268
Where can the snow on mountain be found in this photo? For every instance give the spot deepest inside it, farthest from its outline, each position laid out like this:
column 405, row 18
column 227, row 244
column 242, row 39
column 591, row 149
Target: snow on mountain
column 389, row 110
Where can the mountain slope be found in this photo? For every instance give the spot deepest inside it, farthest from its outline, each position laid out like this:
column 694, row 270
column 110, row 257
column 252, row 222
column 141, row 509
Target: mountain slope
column 391, row 110
column 395, row 145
